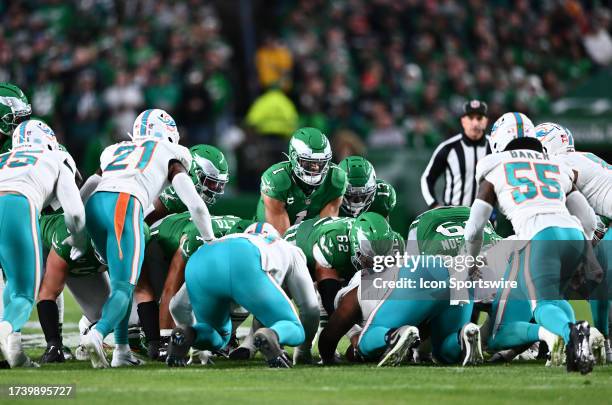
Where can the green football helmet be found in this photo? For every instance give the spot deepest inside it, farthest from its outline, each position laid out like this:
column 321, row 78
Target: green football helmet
column 14, row 108
column 370, row 236
column 209, row 172
column 240, row 226
column 309, row 155
column 361, row 188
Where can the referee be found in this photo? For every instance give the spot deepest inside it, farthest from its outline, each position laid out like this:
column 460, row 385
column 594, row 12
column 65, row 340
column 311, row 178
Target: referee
column 456, row 158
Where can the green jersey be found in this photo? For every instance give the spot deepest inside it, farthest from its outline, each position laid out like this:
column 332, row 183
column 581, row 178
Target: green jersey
column 6, row 145
column 178, row 231
column 54, row 233
column 384, row 200
column 171, row 201
column 439, row 231
column 278, row 182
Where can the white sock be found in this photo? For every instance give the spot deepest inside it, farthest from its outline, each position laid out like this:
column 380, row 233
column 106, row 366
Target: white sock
column 165, row 332
column 547, row 336
column 123, row 347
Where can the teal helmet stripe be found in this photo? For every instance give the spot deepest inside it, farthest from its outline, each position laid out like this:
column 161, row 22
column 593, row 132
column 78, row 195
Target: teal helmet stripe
column 259, row 227
column 519, row 125
column 143, row 125
column 22, row 133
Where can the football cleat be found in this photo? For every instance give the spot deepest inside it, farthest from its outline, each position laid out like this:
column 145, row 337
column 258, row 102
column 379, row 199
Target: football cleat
column 94, row 344
column 302, row 356
column 578, row 352
column 203, row 357
column 137, row 340
column 125, row 358
column 181, row 340
column 52, row 354
column 67, row 353
column 80, row 353
column 266, row 340
column 240, row 353
column 400, row 343
column 597, row 341
column 471, row 347
column 5, row 331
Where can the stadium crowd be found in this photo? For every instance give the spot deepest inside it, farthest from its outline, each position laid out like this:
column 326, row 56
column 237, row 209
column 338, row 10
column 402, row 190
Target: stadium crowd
column 393, row 72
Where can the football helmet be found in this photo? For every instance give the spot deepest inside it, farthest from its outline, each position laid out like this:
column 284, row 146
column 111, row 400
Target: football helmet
column 34, row 134
column 508, row 127
column 263, row 228
column 309, row 155
column 370, row 236
column 14, row 108
column 155, row 124
column 361, row 188
column 209, row 172
column 555, row 138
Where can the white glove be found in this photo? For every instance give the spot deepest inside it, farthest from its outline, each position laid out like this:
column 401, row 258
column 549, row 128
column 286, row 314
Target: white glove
column 79, row 246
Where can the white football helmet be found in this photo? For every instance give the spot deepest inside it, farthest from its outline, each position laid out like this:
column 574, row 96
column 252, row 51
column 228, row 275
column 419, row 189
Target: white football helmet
column 155, row 124
column 262, row 228
column 34, row 134
column 510, row 126
column 555, row 138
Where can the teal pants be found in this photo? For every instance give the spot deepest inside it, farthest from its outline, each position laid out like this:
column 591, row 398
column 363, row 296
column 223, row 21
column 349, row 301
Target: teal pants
column 413, row 307
column 601, row 307
column 230, row 270
column 20, row 257
column 542, row 270
column 115, row 224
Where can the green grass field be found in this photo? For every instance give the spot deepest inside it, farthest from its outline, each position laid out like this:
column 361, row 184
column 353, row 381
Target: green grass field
column 238, row 382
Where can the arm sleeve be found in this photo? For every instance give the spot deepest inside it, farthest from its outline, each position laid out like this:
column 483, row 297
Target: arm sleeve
column 579, row 207
column 479, row 215
column 74, row 213
column 199, row 212
column 302, row 291
column 90, row 186
column 432, row 172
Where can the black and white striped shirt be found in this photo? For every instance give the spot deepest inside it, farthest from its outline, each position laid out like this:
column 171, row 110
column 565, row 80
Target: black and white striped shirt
column 456, row 158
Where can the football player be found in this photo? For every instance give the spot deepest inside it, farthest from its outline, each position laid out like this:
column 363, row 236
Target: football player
column 209, row 173
column 14, row 108
column 538, row 196
column 364, row 192
column 251, row 270
column 178, row 238
column 593, row 177
column 34, row 174
column 132, row 176
column 305, row 186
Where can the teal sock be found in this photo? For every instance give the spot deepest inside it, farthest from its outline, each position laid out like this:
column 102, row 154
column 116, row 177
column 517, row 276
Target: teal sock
column 514, row 334
column 599, row 310
column 552, row 315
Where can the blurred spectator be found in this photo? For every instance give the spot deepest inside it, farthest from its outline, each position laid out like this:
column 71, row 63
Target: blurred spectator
column 346, row 143
column 274, row 63
column 384, row 134
column 124, row 100
column 84, row 106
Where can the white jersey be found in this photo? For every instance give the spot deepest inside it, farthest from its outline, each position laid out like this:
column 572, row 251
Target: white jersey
column 593, row 179
column 33, row 173
column 531, row 190
column 140, row 168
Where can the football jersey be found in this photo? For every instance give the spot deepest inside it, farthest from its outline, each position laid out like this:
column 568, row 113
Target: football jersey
column 384, row 200
column 439, row 231
column 140, row 168
column 33, row 173
column 278, row 182
column 178, row 231
column 278, row 257
column 531, row 190
column 54, row 233
column 593, row 179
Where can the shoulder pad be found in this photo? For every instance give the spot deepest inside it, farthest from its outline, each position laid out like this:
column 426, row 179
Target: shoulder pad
column 178, row 152
column 487, row 164
column 276, row 180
